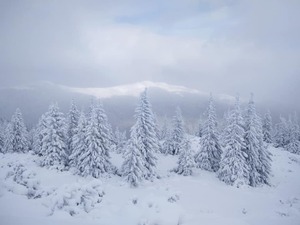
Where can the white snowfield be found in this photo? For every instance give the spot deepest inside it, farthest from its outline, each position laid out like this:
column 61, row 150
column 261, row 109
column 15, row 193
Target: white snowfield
column 31, row 195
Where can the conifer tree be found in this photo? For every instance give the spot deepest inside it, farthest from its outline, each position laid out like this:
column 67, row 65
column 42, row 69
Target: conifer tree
column 2, row 137
column 120, row 140
column 164, row 131
column 267, row 127
column 39, row 133
column 293, row 145
column 186, row 159
column 253, row 140
column 147, row 137
column 233, row 167
column 53, row 148
column 209, row 155
column 133, row 168
column 177, row 135
column 16, row 139
column 72, row 123
column 79, row 141
column 94, row 160
column 281, row 136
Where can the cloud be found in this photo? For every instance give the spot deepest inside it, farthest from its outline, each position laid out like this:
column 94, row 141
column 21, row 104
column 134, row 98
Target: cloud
column 219, row 46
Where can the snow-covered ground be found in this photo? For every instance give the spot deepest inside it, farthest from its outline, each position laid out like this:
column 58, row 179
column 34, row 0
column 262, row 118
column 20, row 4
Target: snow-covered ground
column 31, row 195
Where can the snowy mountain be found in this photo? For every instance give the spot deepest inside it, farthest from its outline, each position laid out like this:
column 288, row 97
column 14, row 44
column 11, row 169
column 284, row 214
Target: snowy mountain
column 132, row 89
column 119, row 101
column 32, row 195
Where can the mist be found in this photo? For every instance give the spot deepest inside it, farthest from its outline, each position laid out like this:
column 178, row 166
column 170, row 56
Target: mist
column 223, row 47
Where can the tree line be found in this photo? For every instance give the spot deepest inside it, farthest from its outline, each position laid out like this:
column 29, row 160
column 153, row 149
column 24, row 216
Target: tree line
column 238, row 153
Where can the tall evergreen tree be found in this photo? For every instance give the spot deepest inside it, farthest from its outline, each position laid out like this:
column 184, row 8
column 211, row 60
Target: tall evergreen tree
column 53, row 149
column 209, row 155
column 293, row 145
column 233, row 167
column 281, row 136
column 146, row 134
column 267, row 127
column 79, row 141
column 177, row 135
column 2, row 137
column 186, row 159
column 95, row 159
column 39, row 133
column 72, row 123
column 16, row 139
column 164, row 131
column 253, row 140
column 120, row 140
column 133, row 168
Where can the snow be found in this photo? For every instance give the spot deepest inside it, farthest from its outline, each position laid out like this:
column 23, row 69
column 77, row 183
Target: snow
column 173, row 199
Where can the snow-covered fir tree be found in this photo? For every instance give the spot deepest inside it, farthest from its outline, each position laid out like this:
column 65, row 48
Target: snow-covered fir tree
column 233, row 167
column 157, row 131
column 281, row 135
column 209, row 154
column 186, row 158
column 79, row 141
column 164, row 130
column 254, row 145
column 2, row 137
column 53, row 148
column 200, row 129
column 94, row 160
column 39, row 133
column 16, row 138
column 120, row 140
column 31, row 136
column 72, row 123
column 177, row 134
column 144, row 127
column 293, row 145
column 133, row 168
column 267, row 127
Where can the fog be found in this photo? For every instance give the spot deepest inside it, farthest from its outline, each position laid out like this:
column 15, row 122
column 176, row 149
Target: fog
column 215, row 46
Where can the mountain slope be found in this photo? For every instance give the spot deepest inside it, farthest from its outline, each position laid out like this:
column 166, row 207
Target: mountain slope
column 173, row 199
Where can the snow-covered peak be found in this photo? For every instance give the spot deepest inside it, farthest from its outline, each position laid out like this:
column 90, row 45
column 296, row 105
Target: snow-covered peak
column 132, row 89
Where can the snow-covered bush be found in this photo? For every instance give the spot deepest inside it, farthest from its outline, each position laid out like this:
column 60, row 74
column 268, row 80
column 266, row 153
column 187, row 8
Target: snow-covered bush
column 76, row 198
column 23, row 181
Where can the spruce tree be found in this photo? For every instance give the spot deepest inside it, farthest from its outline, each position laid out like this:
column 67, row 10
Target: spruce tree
column 209, row 155
column 186, row 159
column 281, row 136
column 39, row 133
column 164, row 131
column 177, row 135
column 72, row 123
column 53, row 148
column 293, row 145
column 233, row 167
column 94, row 160
column 133, row 168
column 16, row 139
column 2, row 137
column 120, row 140
column 147, row 137
column 253, row 140
column 267, row 127
column 79, row 141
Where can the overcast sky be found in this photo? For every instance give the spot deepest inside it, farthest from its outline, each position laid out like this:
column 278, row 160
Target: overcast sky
column 219, row 46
